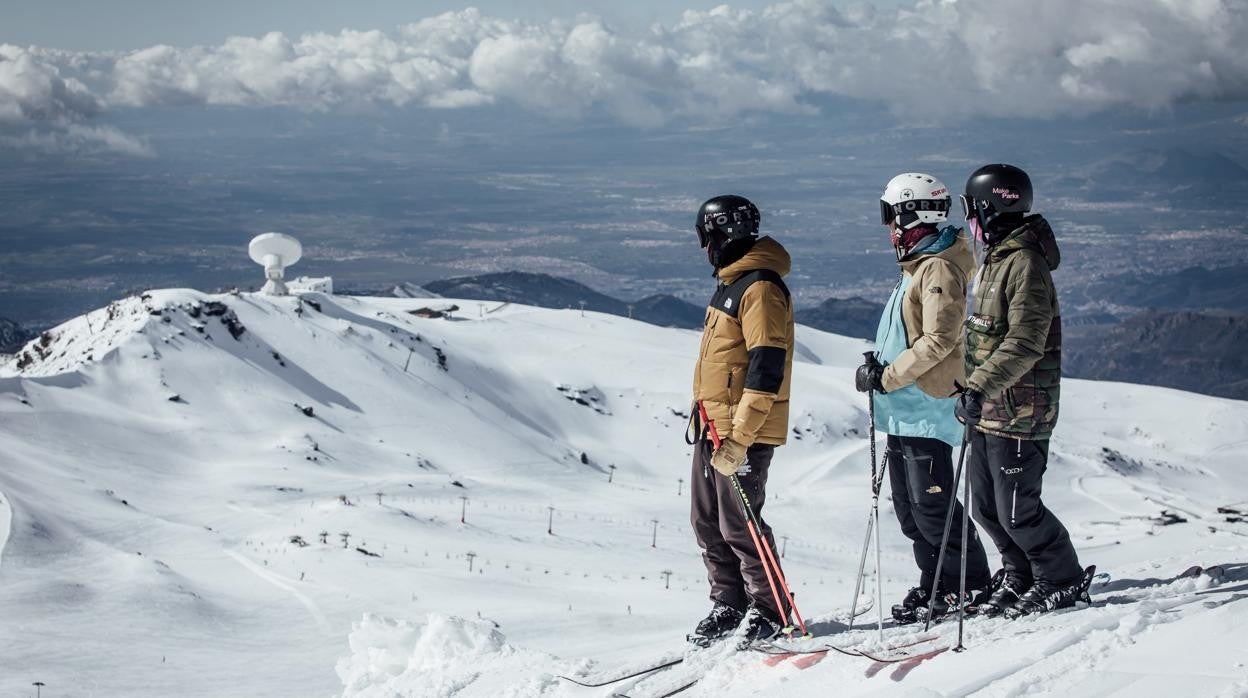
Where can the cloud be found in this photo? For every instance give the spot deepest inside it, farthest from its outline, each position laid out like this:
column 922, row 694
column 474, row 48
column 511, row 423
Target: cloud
column 32, row 89
column 938, row 59
column 41, row 109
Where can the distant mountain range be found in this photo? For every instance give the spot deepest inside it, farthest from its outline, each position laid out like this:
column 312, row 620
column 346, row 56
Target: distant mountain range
column 1190, row 350
column 13, row 336
column 546, row 291
column 1201, row 352
column 851, row 317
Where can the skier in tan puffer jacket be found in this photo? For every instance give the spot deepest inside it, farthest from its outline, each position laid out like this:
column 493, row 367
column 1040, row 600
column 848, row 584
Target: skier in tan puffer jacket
column 742, row 377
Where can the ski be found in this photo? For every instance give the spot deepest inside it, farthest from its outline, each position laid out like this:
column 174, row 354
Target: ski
column 916, row 658
column 678, row 689
column 1213, row 572
column 787, row 653
column 635, row 674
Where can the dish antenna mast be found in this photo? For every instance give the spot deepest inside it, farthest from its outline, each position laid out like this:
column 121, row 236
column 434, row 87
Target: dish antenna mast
column 275, row 252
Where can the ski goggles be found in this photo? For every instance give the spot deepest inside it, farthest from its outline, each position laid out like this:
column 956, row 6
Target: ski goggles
column 971, row 205
column 912, row 207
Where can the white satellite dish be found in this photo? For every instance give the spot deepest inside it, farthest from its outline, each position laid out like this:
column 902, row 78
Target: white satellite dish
column 275, row 252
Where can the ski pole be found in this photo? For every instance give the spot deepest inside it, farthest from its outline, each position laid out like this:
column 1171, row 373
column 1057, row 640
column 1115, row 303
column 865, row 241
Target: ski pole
column 944, row 539
column 755, row 528
column 966, row 515
column 862, row 567
column 879, row 579
column 876, row 481
column 873, row 522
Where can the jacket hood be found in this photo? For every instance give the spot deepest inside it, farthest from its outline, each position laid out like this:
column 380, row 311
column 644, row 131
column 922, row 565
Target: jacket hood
column 958, row 252
column 1034, row 234
column 766, row 254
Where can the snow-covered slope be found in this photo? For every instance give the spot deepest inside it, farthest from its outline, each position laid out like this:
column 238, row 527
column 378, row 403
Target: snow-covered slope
column 172, row 463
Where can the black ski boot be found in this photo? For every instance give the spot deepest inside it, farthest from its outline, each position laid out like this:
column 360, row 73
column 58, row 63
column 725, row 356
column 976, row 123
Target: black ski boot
column 907, row 611
column 1044, row 597
column 719, row 623
column 760, row 625
column 1006, row 592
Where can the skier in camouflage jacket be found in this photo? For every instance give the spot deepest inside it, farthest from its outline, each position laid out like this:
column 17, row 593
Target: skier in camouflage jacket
column 1013, row 367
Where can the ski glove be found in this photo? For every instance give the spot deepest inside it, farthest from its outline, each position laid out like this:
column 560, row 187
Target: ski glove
column 728, row 458
column 970, row 407
column 870, row 376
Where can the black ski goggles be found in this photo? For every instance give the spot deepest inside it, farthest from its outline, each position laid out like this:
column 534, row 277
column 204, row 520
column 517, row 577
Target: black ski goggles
column 712, row 222
column 970, row 206
column 911, row 207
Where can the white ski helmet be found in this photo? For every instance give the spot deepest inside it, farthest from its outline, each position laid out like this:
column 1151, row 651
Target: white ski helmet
column 912, row 199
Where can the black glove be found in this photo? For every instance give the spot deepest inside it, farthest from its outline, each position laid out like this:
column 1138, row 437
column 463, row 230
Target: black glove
column 869, row 376
column 970, row 407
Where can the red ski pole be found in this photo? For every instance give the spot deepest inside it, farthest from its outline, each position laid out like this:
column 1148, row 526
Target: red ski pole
column 770, row 566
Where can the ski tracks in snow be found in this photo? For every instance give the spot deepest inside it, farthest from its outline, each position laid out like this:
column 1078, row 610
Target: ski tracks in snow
column 1070, row 659
column 281, row 583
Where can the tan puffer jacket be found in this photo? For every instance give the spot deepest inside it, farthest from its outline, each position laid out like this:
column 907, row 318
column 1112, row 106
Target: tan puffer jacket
column 933, row 311
column 746, row 361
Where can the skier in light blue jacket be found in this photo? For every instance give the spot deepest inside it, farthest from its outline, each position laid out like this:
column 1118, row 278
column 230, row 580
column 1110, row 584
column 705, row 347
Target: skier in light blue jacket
column 916, row 374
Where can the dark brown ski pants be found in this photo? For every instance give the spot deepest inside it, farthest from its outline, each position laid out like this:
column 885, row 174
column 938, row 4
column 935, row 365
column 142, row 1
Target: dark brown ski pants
column 733, row 566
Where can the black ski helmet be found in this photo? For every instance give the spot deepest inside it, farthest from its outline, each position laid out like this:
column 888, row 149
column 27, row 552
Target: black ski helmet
column 734, row 217
column 997, row 194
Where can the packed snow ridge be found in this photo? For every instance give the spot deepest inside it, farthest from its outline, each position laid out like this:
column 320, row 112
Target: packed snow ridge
column 207, row 495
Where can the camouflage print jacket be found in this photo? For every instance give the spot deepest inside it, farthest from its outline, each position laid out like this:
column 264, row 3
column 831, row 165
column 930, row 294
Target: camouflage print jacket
column 1014, row 334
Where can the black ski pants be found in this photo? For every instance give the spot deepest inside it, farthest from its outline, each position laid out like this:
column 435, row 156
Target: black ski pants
column 733, row 565
column 1006, row 476
column 921, row 474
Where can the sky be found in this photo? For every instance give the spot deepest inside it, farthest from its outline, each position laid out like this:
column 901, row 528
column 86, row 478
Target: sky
column 170, row 124
column 91, row 25
column 933, row 60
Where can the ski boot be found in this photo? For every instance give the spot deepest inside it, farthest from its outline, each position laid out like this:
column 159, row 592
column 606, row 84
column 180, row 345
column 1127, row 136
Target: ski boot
column 907, row 611
column 1044, row 597
column 1006, row 591
column 719, row 623
column 946, row 603
column 760, row 625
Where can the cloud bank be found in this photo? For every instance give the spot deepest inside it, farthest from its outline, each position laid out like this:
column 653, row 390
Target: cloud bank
column 941, row 59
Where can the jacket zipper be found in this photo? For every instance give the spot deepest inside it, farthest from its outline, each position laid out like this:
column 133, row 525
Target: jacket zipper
column 1014, row 507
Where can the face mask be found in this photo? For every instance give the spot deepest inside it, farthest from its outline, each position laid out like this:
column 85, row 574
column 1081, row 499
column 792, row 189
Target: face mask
column 972, row 224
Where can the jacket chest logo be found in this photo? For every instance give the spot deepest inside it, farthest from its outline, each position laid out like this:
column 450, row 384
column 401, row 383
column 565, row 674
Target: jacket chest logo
column 728, row 303
column 980, row 322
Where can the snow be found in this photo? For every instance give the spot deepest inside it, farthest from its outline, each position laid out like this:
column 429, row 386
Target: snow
column 155, row 470
column 445, row 656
